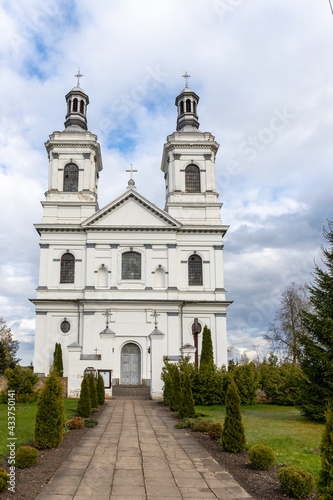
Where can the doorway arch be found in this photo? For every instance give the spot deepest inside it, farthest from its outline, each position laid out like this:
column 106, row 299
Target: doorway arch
column 130, row 365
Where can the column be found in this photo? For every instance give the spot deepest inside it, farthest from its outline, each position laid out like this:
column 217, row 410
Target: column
column 156, row 364
column 172, row 266
column 219, row 278
column 43, row 266
column 90, row 264
column 148, row 257
column 114, row 266
column 221, row 347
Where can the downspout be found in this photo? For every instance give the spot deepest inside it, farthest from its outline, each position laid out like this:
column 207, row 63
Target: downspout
column 78, row 321
column 181, row 324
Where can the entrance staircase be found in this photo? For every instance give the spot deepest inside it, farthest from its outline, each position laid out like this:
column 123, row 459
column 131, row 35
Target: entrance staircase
column 131, row 391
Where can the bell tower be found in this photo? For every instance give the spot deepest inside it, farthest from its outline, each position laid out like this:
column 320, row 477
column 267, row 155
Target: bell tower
column 188, row 164
column 74, row 165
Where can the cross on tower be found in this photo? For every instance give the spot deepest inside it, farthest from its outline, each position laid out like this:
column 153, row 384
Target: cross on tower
column 78, row 76
column 131, row 170
column 107, row 315
column 155, row 315
column 186, row 76
column 96, row 351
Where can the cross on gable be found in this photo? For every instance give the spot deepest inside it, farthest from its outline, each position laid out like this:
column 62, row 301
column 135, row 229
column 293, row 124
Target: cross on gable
column 107, row 315
column 131, row 170
column 155, row 316
column 78, row 76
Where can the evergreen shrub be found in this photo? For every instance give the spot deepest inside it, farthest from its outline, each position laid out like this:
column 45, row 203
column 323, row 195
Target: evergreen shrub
column 75, row 423
column 186, row 409
column 90, row 422
column 26, row 456
column 215, row 430
column 22, row 381
column 184, row 424
column 296, row 482
column 93, row 391
column 233, row 435
column 325, row 481
column 262, row 457
column 50, row 414
column 201, row 426
column 4, row 478
column 57, row 360
column 84, row 403
column 175, row 388
column 100, row 390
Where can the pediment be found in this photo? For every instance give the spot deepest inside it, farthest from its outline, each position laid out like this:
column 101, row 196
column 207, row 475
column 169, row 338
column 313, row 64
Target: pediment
column 131, row 210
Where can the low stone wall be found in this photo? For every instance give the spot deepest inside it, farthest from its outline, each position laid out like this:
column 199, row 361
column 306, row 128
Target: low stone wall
column 40, row 383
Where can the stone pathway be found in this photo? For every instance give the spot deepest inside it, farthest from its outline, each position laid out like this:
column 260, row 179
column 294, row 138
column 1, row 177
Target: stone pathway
column 137, row 453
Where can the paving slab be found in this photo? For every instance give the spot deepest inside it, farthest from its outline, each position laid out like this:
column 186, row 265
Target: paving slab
column 137, row 453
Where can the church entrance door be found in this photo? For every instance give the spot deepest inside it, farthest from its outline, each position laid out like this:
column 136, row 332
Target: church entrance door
column 130, row 365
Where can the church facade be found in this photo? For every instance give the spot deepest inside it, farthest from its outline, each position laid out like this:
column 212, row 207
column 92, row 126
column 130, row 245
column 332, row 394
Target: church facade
column 124, row 286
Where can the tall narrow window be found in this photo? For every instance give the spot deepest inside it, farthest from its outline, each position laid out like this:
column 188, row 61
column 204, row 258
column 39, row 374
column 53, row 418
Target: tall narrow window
column 131, row 266
column 75, row 104
column 67, row 268
column 194, row 108
column 192, row 179
column 195, row 270
column 181, row 108
column 82, row 107
column 188, row 106
column 69, row 106
column 71, row 177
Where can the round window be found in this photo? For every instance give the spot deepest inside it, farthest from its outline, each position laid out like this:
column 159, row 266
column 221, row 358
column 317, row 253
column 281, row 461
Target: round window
column 65, row 326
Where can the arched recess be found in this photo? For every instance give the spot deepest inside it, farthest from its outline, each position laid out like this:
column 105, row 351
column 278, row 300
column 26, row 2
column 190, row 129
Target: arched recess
column 130, row 364
column 195, row 270
column 159, row 277
column 67, row 268
column 192, row 179
column 102, row 277
column 71, row 177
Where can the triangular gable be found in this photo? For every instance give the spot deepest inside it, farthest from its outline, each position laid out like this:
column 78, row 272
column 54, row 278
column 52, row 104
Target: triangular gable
column 131, row 210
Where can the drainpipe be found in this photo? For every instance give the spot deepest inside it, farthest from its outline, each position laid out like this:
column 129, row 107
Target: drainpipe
column 181, row 324
column 78, row 321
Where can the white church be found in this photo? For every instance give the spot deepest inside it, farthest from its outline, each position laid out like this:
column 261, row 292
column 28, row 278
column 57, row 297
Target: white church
column 125, row 286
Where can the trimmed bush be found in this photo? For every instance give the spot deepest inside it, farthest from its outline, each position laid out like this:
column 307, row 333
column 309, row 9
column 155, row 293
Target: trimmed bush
column 90, row 422
column 75, row 423
column 215, row 430
column 57, row 360
column 4, row 478
column 325, row 481
column 84, row 403
column 186, row 409
column 201, row 426
column 233, row 435
column 189, row 422
column 26, row 456
column 262, row 457
column 100, row 390
column 50, row 414
column 92, row 391
column 296, row 482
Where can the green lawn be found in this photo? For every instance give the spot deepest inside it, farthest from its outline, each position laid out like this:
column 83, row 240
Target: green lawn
column 25, row 423
column 294, row 439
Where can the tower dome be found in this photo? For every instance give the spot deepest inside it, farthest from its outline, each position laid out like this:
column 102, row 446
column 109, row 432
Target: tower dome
column 187, row 103
column 77, row 102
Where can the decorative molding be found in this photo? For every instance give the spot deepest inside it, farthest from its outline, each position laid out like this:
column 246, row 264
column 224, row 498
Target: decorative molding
column 219, row 289
column 78, row 260
column 183, row 261
column 220, row 315
column 41, row 313
column 148, row 288
column 172, row 288
column 89, row 287
column 91, row 356
column 113, row 288
column 86, row 156
column 114, row 245
column 207, row 156
column 42, row 288
column 88, row 313
column 90, row 245
column 55, row 156
column 206, row 261
column 176, row 156
column 171, row 245
column 148, row 245
column 44, row 245
column 218, row 247
column 172, row 314
column 56, row 260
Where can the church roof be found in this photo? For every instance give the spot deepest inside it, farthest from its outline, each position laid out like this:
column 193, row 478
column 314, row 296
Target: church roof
column 133, row 210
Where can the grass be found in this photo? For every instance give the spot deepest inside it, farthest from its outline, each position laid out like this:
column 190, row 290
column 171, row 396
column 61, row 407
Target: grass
column 294, row 439
column 25, row 423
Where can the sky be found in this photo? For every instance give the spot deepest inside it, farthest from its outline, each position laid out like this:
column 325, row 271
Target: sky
column 264, row 74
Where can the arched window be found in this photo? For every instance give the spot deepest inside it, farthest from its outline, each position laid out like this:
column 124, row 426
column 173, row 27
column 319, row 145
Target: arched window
column 194, row 270
column 181, row 108
column 71, row 177
column 192, row 179
column 188, row 106
column 82, row 107
column 75, row 104
column 67, row 268
column 194, row 108
column 69, row 106
column 131, row 266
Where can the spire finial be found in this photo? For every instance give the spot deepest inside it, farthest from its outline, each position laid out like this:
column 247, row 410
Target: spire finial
column 78, row 76
column 186, row 76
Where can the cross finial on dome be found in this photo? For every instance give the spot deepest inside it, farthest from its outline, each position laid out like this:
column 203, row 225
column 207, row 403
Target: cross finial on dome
column 78, row 76
column 186, row 76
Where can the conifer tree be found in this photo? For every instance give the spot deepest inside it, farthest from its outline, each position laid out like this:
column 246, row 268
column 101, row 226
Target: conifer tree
column 167, row 389
column 57, row 360
column 316, row 356
column 207, row 356
column 100, row 390
column 233, row 435
column 186, row 409
column 92, row 391
column 50, row 414
column 325, row 481
column 175, row 391
column 84, row 403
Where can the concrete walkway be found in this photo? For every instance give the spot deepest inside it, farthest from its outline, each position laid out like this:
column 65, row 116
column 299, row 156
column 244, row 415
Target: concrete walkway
column 137, row 453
